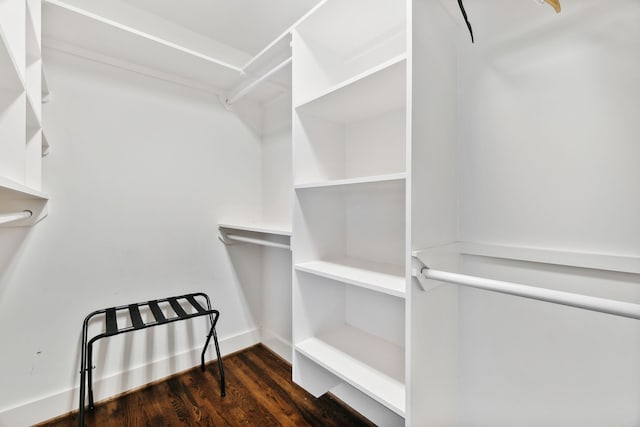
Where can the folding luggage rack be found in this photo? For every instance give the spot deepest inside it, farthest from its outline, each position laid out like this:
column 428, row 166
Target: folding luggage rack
column 111, row 329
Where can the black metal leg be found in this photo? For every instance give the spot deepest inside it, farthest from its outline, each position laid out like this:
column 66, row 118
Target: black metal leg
column 212, row 323
column 90, row 375
column 212, row 333
column 220, row 367
column 83, row 373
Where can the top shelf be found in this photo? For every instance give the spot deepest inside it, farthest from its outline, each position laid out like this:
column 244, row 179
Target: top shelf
column 355, row 44
column 257, row 228
column 76, row 27
column 12, row 190
column 350, row 35
column 378, row 90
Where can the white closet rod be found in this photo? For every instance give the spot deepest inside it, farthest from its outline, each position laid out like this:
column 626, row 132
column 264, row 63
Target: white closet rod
column 14, row 216
column 245, row 90
column 616, row 308
column 257, row 241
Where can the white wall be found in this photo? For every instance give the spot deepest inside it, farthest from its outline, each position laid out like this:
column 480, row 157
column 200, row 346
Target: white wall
column 277, row 179
column 139, row 173
column 549, row 108
column 530, row 364
column 277, row 199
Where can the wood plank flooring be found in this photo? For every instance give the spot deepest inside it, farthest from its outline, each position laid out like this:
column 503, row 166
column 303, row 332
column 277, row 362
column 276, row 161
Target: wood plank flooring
column 259, row 393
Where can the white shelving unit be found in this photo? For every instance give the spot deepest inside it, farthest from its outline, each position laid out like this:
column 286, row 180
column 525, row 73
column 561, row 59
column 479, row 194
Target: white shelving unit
column 366, row 362
column 349, row 162
column 351, row 100
column 363, row 37
column 20, row 111
column 350, row 182
column 346, row 133
column 14, row 190
column 380, row 277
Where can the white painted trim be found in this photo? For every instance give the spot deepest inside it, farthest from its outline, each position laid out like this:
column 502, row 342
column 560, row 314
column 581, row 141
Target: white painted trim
column 279, row 345
column 62, row 402
column 598, row 261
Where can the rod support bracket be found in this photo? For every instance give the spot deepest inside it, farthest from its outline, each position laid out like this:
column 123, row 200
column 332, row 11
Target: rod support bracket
column 222, row 236
column 424, row 283
column 224, row 101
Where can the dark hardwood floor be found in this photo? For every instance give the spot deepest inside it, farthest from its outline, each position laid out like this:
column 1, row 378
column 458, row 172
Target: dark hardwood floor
column 259, row 393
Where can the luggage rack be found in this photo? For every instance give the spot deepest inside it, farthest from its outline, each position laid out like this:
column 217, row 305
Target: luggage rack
column 111, row 329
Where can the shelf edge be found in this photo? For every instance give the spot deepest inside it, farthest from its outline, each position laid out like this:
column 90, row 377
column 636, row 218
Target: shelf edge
column 21, row 190
column 353, row 282
column 348, row 82
column 400, row 176
column 300, row 347
column 256, row 228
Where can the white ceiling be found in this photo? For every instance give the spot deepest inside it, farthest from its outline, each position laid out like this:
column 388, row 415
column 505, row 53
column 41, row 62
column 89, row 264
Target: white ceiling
column 247, row 25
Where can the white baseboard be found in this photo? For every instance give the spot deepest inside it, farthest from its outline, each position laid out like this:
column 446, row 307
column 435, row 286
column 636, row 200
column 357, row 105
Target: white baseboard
column 277, row 344
column 62, row 402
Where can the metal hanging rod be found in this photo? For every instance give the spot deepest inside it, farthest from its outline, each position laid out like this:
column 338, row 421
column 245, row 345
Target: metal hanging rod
column 15, row 216
column 602, row 305
column 245, row 90
column 228, row 239
column 257, row 241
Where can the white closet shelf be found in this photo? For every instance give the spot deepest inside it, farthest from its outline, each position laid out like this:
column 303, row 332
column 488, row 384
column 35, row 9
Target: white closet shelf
column 378, row 90
column 370, row 364
column 33, row 121
column 258, row 228
column 12, row 190
column 392, row 177
column 45, row 87
column 70, row 26
column 10, row 77
column 591, row 260
column 352, row 29
column 46, row 147
column 385, row 278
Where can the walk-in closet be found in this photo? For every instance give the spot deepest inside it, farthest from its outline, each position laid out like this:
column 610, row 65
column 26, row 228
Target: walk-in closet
column 397, row 213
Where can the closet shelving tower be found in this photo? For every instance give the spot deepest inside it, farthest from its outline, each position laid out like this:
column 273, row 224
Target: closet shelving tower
column 21, row 90
column 349, row 168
